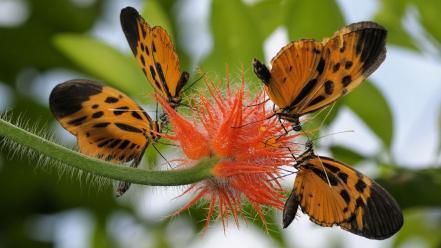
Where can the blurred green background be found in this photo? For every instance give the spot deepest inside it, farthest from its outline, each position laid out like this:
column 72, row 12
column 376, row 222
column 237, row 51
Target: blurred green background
column 45, row 42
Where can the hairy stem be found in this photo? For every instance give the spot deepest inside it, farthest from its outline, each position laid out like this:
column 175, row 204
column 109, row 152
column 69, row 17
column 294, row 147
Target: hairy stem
column 200, row 171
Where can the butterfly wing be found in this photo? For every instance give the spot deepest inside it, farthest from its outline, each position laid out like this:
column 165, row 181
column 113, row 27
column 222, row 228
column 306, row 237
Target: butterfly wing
column 155, row 54
column 307, row 75
column 351, row 55
column 349, row 199
column 107, row 123
column 294, row 73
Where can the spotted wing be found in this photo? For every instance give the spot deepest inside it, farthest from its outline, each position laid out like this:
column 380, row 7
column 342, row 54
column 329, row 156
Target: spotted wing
column 294, row 73
column 307, row 75
column 155, row 54
column 107, row 123
column 350, row 56
column 349, row 199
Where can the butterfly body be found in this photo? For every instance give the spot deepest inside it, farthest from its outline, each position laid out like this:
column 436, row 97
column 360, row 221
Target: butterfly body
column 307, row 75
column 154, row 52
column 332, row 193
column 107, row 123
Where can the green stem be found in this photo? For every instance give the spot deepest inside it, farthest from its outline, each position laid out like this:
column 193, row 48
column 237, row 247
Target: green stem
column 200, row 171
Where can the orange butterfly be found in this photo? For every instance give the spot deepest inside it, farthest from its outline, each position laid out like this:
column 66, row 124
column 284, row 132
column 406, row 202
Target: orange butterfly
column 155, row 54
column 308, row 75
column 107, row 123
column 333, row 193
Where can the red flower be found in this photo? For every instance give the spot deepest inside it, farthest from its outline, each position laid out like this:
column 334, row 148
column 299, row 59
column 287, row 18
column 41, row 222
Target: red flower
column 250, row 147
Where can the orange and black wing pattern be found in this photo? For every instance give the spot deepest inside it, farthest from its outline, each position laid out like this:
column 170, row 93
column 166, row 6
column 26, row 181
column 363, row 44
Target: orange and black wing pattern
column 107, row 123
column 156, row 55
column 308, row 75
column 332, row 193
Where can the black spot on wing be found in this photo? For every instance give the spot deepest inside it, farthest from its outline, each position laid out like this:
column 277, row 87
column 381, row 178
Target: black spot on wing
column 124, row 144
column 316, row 100
column 127, row 127
column 320, row 66
column 329, row 87
column 120, row 110
column 67, row 98
column 136, row 115
column 153, row 74
column 95, row 106
column 343, row 176
column 101, row 125
column 111, row 99
column 114, row 143
column 97, row 114
column 360, row 185
column 142, row 59
column 104, row 143
column 183, row 79
column 77, row 121
column 153, row 47
column 162, row 78
column 346, row 80
column 320, row 173
column 129, row 22
column 345, row 195
column 331, row 167
column 304, row 92
column 348, row 65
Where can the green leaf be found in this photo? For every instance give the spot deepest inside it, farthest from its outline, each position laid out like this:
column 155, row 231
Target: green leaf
column 236, row 40
column 371, row 106
column 391, row 16
column 347, row 155
column 154, row 14
column 104, row 62
column 429, row 13
column 267, row 14
column 313, row 19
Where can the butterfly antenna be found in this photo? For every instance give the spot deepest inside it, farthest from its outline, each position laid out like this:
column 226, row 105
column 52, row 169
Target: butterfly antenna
column 282, row 176
column 257, row 104
column 327, row 115
column 171, row 167
column 326, row 174
column 331, row 134
column 193, row 83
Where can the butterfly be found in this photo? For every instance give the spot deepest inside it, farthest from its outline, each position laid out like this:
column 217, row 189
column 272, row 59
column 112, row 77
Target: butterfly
column 107, row 123
column 308, row 75
column 155, row 54
column 332, row 193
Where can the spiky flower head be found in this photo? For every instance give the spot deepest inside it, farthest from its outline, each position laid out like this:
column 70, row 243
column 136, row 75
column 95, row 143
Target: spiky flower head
column 251, row 149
